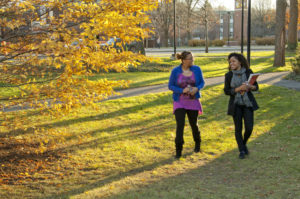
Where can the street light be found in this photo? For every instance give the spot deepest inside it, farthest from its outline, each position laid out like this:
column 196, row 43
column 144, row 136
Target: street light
column 249, row 32
column 174, row 27
column 242, row 29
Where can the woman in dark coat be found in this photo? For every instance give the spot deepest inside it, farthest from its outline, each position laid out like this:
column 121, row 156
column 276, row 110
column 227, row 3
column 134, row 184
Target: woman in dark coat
column 242, row 103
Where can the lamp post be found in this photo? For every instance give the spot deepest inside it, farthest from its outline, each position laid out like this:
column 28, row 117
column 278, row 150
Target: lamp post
column 249, row 32
column 242, row 29
column 174, row 26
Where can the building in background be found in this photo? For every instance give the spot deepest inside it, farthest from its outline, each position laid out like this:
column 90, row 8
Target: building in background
column 237, row 27
column 226, row 25
column 230, row 26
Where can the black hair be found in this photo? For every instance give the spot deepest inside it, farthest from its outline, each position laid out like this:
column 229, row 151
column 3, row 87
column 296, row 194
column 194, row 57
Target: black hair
column 241, row 58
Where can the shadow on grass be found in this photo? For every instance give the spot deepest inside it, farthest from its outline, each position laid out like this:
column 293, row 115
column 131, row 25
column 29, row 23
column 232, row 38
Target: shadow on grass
column 270, row 171
column 22, row 153
column 117, row 113
column 110, row 179
column 124, row 111
column 205, row 61
column 265, row 167
column 149, row 82
column 127, row 135
column 132, row 135
column 214, row 72
column 215, row 116
column 273, row 109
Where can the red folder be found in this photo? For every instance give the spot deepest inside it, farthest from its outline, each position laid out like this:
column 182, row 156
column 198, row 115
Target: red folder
column 252, row 78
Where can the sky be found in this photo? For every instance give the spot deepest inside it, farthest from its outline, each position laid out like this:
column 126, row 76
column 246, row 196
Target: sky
column 230, row 3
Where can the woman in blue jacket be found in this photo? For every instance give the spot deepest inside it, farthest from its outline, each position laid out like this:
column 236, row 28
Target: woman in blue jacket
column 185, row 81
column 242, row 103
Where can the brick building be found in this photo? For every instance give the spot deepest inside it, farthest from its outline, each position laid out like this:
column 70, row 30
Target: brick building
column 231, row 22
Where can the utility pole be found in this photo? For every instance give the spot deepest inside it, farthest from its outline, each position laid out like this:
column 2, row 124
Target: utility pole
column 242, row 29
column 249, row 32
column 174, row 27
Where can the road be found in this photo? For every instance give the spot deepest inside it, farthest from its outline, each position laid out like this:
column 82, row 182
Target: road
column 170, row 51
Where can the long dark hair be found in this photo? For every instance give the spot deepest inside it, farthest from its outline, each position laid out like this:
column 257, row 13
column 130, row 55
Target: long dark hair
column 241, row 58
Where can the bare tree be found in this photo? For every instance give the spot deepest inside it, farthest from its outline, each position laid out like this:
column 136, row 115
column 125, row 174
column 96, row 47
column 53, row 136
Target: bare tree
column 190, row 6
column 181, row 23
column 162, row 20
column 206, row 14
column 262, row 18
column 292, row 28
column 279, row 59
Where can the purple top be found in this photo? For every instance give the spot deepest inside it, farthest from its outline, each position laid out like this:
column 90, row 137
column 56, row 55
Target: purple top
column 187, row 101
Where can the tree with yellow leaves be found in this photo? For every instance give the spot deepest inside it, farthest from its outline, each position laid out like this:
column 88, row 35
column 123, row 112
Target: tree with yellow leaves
column 50, row 49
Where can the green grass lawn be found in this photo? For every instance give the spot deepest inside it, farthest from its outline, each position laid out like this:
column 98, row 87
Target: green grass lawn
column 125, row 149
column 157, row 71
column 211, row 67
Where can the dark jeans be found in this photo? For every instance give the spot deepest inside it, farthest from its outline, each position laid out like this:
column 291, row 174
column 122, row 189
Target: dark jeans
column 180, row 121
column 243, row 112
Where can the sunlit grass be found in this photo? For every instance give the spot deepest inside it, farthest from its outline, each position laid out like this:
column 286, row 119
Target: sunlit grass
column 211, row 67
column 125, row 149
column 157, row 71
column 6, row 92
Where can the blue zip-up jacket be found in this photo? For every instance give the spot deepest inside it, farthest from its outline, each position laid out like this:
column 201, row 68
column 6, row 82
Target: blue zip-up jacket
column 173, row 85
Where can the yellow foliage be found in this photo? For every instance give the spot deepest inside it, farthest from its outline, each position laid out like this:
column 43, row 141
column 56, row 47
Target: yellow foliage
column 49, row 49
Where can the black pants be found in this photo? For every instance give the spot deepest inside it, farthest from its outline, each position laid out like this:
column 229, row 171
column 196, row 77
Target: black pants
column 180, row 121
column 243, row 112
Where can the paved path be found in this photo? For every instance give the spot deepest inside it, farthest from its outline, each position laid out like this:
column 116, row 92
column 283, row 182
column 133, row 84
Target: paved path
column 266, row 78
column 170, row 50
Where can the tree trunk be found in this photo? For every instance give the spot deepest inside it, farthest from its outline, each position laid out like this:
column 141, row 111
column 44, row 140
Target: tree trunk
column 206, row 36
column 293, row 25
column 166, row 38
column 279, row 59
column 140, row 47
column 188, row 25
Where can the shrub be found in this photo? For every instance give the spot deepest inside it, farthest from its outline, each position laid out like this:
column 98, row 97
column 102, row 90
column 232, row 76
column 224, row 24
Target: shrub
column 244, row 42
column 218, row 42
column 265, row 41
column 196, row 42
